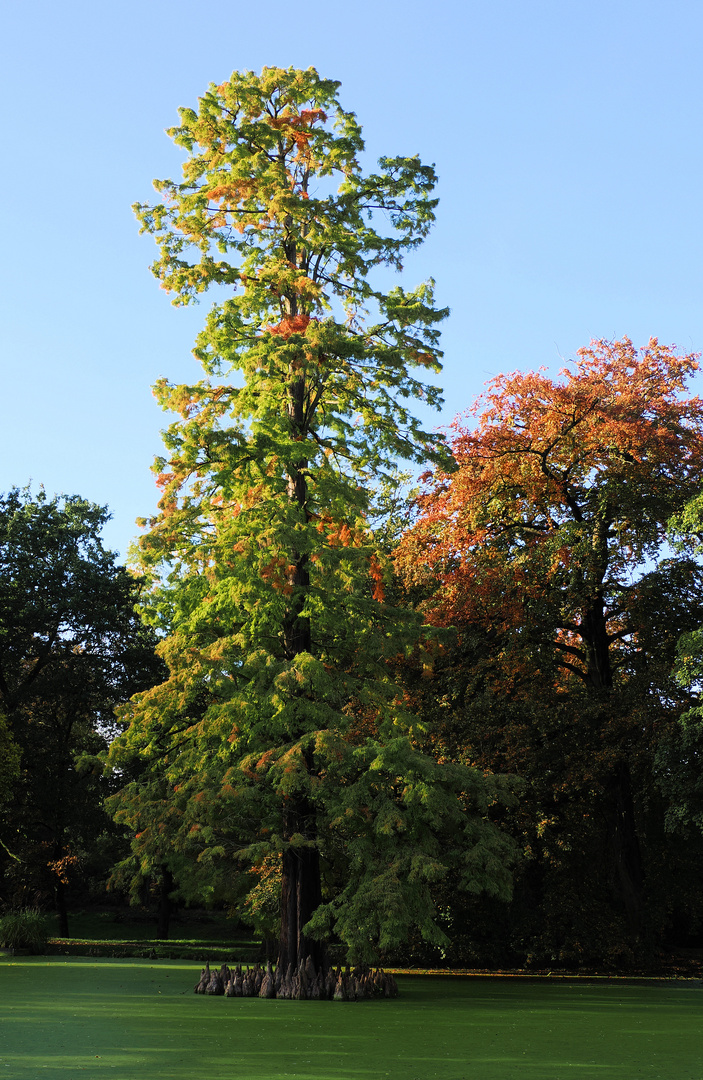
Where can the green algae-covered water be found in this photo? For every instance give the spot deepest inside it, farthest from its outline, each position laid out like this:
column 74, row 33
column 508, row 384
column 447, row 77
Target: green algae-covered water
column 139, row 1020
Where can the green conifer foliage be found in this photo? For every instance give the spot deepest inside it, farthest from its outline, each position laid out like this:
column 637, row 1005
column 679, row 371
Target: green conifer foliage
column 281, row 732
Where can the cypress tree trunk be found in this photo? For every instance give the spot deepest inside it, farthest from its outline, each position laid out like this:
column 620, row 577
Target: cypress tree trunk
column 301, row 890
column 300, row 894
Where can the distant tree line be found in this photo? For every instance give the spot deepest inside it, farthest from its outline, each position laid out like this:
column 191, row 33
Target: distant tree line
column 554, row 565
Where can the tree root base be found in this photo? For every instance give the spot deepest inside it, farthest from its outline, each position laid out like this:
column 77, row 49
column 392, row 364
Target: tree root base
column 301, row 984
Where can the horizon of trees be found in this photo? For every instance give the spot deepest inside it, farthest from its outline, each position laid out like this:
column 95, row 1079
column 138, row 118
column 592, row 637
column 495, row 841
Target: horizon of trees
column 608, row 755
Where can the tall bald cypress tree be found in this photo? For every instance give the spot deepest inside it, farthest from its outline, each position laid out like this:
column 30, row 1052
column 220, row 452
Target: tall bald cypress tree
column 281, row 729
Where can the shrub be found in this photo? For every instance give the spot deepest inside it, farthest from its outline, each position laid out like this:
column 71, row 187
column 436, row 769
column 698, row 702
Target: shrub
column 25, row 928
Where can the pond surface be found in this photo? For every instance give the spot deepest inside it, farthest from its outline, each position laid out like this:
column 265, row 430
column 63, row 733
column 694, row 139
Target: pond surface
column 139, row 1020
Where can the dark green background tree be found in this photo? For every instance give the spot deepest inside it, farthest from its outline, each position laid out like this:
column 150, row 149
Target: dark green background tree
column 72, row 647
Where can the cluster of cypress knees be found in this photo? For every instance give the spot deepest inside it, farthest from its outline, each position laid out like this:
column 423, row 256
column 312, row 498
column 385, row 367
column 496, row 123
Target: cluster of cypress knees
column 301, row 983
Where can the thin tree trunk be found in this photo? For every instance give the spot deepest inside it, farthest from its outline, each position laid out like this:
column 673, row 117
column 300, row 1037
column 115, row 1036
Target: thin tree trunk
column 61, row 909
column 163, row 918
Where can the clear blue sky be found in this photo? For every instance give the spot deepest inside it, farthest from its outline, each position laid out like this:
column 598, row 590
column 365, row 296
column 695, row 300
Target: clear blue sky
column 567, row 138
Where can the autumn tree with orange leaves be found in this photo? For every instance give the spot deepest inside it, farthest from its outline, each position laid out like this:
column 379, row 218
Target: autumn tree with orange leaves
column 281, row 733
column 546, row 549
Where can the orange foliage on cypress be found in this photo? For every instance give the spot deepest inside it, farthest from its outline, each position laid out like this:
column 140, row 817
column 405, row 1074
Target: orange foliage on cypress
column 291, row 324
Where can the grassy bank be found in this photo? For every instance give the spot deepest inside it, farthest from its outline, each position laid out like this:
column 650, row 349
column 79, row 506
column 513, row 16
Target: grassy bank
column 196, row 936
column 134, row 1020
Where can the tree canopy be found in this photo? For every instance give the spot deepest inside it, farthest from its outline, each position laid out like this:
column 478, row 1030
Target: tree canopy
column 562, row 495
column 72, row 647
column 546, row 549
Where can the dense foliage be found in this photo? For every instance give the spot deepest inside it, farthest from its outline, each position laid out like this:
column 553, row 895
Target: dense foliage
column 72, row 647
column 26, row 928
column 546, row 549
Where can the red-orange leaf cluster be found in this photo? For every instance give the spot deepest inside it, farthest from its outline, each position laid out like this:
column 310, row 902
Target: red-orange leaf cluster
column 376, row 572
column 291, row 324
column 563, row 491
column 305, row 118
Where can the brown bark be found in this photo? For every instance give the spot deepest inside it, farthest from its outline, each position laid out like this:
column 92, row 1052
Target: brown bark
column 296, row 628
column 628, row 871
column 594, row 632
column 163, row 918
column 301, row 890
column 61, row 909
column 301, row 894
column 627, row 857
